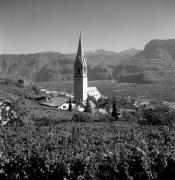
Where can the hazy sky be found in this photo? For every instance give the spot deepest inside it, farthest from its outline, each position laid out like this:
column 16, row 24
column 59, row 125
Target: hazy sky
column 28, row 26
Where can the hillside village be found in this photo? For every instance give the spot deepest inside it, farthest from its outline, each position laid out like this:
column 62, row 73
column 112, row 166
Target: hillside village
column 75, row 101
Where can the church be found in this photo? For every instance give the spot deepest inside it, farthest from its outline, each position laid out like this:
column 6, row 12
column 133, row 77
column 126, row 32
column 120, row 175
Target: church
column 81, row 89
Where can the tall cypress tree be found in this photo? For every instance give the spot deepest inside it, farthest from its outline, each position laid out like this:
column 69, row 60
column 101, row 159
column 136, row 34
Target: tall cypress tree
column 70, row 105
column 88, row 106
column 114, row 110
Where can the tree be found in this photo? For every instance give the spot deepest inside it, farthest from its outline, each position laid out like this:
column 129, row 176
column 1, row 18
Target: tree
column 114, row 110
column 21, row 83
column 108, row 110
column 88, row 106
column 36, row 89
column 70, row 105
column 159, row 114
column 92, row 98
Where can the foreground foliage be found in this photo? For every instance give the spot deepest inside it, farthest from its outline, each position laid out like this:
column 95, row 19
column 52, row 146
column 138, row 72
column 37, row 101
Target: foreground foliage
column 158, row 114
column 52, row 144
column 119, row 150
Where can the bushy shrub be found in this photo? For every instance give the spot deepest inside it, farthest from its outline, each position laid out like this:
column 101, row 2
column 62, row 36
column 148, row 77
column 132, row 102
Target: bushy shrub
column 86, row 117
column 129, row 117
column 105, row 118
column 159, row 114
column 35, row 89
column 11, row 112
column 88, row 107
column 168, row 171
column 21, row 83
column 82, row 117
column 114, row 113
column 42, row 121
column 84, row 151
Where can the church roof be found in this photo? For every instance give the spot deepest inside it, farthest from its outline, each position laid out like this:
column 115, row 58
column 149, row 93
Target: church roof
column 92, row 89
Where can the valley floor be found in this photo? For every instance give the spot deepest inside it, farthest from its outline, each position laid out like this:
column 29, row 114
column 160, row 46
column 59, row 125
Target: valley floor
column 159, row 91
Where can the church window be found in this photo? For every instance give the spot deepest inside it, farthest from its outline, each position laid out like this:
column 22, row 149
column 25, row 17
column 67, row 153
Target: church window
column 84, row 70
column 78, row 70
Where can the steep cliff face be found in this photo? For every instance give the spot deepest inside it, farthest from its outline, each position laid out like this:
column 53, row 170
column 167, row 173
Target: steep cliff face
column 155, row 63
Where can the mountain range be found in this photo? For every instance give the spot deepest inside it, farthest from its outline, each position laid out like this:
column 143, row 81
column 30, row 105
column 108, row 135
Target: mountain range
column 155, row 63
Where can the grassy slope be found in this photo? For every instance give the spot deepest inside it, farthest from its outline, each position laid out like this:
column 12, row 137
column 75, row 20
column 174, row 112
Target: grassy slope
column 32, row 107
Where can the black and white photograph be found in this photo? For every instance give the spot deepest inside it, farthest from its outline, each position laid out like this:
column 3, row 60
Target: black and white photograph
column 87, row 89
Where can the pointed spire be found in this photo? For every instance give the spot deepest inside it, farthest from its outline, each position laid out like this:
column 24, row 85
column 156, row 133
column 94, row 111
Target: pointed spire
column 80, row 49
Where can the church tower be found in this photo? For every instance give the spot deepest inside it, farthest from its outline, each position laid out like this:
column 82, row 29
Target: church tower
column 80, row 76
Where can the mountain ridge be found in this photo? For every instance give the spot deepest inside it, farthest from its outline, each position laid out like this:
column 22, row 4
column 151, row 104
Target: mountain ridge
column 155, row 63
column 54, row 66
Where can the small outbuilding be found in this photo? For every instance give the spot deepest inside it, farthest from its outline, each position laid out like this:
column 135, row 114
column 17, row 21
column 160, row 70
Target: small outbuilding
column 65, row 106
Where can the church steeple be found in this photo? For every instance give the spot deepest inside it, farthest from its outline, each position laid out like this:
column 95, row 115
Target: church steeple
column 80, row 66
column 80, row 54
column 80, row 75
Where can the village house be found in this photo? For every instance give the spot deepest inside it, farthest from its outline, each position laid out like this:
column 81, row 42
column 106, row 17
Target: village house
column 54, row 101
column 61, row 102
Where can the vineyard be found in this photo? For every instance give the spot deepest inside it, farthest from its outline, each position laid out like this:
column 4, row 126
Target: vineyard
column 47, row 143
column 97, row 150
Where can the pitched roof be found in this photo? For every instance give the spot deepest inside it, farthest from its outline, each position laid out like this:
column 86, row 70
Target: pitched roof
column 92, row 89
column 80, row 53
column 80, row 49
column 55, row 101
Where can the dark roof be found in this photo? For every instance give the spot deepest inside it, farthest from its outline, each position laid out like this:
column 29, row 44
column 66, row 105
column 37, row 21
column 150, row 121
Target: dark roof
column 55, row 101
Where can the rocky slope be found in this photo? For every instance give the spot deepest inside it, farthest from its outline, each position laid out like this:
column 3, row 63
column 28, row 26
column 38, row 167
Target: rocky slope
column 53, row 66
column 154, row 64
